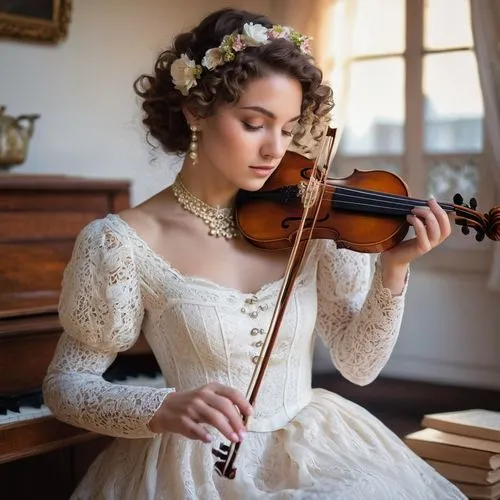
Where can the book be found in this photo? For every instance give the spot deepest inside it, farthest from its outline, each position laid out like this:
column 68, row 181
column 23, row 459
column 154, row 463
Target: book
column 483, row 424
column 475, row 491
column 446, row 447
column 465, row 473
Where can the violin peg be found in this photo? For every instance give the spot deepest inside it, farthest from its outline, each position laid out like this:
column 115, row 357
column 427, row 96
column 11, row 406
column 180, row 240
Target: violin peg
column 465, row 229
column 473, row 203
column 458, row 199
column 479, row 236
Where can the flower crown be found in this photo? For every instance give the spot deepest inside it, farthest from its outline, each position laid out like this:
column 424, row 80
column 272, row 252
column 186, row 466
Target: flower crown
column 185, row 71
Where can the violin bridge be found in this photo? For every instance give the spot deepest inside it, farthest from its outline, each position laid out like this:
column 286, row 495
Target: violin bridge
column 308, row 192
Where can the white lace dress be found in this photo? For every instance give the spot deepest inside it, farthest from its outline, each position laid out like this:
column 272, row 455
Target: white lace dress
column 302, row 443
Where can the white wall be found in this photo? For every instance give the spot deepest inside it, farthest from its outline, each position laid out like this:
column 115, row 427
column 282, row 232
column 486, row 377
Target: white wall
column 90, row 126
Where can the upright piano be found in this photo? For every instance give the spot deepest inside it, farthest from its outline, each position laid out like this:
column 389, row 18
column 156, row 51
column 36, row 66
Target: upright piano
column 40, row 217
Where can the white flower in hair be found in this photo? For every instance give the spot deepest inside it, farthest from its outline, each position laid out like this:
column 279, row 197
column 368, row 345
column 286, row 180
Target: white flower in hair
column 212, row 58
column 184, row 72
column 255, row 34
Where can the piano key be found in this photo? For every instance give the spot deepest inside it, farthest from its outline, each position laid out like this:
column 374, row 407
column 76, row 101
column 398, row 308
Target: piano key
column 27, row 413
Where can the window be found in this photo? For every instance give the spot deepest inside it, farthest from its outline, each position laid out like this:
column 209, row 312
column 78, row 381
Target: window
column 413, row 106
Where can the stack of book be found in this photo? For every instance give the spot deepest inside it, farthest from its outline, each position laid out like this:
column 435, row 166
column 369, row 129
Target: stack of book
column 464, row 447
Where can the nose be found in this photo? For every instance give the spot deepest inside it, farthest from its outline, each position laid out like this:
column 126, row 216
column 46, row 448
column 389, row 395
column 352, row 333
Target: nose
column 274, row 145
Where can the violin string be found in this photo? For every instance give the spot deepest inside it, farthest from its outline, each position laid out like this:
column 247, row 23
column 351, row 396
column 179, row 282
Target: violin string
column 373, row 195
column 392, row 204
column 388, row 204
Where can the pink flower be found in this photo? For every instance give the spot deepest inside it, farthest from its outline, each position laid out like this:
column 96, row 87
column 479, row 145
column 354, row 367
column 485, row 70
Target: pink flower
column 305, row 46
column 239, row 43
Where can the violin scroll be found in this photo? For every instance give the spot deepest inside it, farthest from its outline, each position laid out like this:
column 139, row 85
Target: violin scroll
column 485, row 224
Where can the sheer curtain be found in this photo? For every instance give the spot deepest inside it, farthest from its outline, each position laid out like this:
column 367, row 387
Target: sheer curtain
column 485, row 16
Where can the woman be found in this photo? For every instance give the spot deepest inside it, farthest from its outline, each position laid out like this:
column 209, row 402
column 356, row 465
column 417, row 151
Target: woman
column 233, row 94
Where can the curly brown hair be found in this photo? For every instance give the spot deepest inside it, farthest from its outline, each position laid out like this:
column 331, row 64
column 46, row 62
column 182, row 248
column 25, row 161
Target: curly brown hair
column 162, row 102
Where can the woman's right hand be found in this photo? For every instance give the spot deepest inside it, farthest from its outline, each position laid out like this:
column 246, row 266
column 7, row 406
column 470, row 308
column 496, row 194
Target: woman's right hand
column 213, row 404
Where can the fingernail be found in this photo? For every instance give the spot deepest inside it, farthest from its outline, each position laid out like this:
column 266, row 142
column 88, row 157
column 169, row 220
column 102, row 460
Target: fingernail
column 234, row 437
column 243, row 435
column 431, row 197
column 209, row 438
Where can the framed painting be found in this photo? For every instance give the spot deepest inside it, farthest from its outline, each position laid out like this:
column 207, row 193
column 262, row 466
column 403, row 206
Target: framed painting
column 35, row 20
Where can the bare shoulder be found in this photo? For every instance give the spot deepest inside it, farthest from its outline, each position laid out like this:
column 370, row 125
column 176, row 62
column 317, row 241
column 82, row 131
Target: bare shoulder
column 148, row 218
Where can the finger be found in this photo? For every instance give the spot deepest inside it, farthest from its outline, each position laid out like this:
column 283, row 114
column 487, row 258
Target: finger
column 194, row 430
column 423, row 243
column 236, row 398
column 230, row 412
column 442, row 217
column 209, row 415
column 431, row 224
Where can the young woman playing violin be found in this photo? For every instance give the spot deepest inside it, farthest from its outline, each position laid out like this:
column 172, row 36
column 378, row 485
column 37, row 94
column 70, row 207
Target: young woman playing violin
column 233, row 94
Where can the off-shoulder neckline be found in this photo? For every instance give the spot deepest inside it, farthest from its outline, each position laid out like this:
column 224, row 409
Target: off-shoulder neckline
column 164, row 263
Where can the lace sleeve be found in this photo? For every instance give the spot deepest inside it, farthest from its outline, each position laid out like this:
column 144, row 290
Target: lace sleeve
column 101, row 312
column 358, row 319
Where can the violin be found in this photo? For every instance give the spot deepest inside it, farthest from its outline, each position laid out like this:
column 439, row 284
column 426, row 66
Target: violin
column 364, row 212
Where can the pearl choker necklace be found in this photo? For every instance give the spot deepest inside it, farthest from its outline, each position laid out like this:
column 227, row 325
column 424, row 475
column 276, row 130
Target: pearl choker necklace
column 221, row 221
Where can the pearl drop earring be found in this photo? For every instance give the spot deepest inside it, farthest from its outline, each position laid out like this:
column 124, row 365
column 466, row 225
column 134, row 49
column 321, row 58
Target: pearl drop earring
column 193, row 145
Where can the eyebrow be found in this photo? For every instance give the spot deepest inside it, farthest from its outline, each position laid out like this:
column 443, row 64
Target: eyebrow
column 266, row 112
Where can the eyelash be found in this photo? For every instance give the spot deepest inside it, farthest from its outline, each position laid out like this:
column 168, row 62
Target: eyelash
column 254, row 129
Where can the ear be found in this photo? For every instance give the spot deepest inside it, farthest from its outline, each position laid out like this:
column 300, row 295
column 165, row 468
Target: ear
column 192, row 118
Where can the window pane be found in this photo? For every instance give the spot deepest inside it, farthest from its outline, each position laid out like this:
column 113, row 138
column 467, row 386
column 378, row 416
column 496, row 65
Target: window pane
column 447, row 178
column 453, row 105
column 447, row 24
column 375, row 108
column 379, row 27
column 450, row 176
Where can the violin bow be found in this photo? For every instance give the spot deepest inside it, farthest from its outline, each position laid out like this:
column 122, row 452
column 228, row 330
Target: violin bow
column 312, row 192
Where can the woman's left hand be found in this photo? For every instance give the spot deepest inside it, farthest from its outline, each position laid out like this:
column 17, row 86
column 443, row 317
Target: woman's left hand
column 432, row 226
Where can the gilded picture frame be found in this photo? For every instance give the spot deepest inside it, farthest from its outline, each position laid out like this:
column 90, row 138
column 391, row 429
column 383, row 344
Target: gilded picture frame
column 35, row 20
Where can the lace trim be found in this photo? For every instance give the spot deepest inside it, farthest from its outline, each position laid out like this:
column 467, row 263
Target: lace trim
column 358, row 319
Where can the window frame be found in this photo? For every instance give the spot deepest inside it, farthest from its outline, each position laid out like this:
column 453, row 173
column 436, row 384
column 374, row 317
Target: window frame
column 414, row 162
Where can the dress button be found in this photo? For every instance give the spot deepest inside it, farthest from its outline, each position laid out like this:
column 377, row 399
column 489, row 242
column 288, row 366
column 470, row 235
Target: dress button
column 254, row 331
column 254, row 314
column 264, row 307
column 255, row 360
column 259, row 343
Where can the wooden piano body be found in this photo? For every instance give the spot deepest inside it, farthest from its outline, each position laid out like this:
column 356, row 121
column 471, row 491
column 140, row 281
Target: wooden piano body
column 40, row 217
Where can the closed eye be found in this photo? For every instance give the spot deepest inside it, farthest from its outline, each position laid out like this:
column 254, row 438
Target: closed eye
column 254, row 128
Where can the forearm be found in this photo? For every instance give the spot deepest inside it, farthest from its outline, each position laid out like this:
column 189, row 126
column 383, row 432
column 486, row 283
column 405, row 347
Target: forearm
column 76, row 393
column 88, row 401
column 364, row 339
